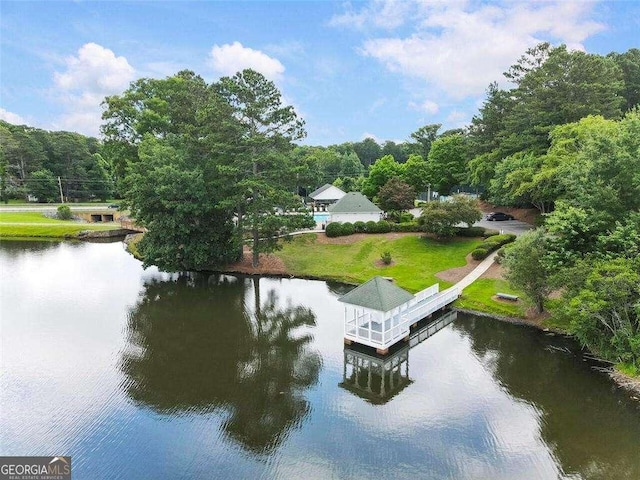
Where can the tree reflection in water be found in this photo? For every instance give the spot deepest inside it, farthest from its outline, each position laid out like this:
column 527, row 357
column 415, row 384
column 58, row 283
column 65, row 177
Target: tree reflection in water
column 193, row 348
column 595, row 436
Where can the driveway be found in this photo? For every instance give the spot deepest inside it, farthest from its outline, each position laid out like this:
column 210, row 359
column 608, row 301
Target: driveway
column 507, row 226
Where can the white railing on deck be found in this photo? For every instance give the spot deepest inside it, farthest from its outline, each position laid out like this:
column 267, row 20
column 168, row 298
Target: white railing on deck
column 422, row 305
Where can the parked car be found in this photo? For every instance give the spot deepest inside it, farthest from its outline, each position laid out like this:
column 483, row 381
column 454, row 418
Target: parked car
column 114, row 205
column 499, row 216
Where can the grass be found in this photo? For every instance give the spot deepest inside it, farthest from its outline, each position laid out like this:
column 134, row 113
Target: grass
column 479, row 296
column 35, row 224
column 415, row 260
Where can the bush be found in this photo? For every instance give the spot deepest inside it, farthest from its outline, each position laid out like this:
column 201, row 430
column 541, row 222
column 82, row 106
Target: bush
column 479, row 253
column 405, row 227
column 64, row 213
column 383, row 226
column 503, row 239
column 359, row 227
column 386, row 257
column 347, row 229
column 333, row 229
column 500, row 255
column 371, row 227
column 490, row 233
column 471, row 232
column 406, row 217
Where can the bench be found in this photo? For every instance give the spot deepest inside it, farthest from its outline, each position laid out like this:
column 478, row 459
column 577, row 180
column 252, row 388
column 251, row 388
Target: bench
column 507, row 296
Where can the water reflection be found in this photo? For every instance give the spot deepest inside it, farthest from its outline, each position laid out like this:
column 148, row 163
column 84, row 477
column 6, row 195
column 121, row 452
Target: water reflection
column 198, row 346
column 377, row 378
column 584, row 428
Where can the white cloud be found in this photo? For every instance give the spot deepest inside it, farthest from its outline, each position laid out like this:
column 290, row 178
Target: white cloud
column 458, row 119
column 89, row 77
column 377, row 139
column 11, row 117
column 95, row 69
column 427, row 106
column 388, row 14
column 231, row 58
column 460, row 47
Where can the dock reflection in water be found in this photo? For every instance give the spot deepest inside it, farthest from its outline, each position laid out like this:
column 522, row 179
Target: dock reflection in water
column 379, row 378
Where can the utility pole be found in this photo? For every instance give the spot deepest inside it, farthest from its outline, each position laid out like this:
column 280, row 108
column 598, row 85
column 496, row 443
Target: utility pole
column 60, row 185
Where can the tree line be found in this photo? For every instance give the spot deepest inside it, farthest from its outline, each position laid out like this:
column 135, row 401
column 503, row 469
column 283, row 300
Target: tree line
column 49, row 165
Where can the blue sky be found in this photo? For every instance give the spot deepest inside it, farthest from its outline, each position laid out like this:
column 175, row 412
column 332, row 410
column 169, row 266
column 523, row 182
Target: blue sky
column 351, row 69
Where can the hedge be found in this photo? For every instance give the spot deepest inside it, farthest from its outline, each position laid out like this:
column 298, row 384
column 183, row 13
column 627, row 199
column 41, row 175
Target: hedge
column 479, row 253
column 492, row 243
column 471, row 232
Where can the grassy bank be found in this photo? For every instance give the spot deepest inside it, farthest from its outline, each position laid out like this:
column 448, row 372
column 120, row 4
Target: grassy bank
column 480, row 296
column 415, row 260
column 36, row 225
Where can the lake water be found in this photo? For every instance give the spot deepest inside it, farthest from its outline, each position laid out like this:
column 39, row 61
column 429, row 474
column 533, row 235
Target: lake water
column 143, row 375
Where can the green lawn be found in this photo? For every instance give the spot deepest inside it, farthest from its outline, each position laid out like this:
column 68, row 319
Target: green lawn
column 478, row 296
column 27, row 217
column 35, row 224
column 416, row 260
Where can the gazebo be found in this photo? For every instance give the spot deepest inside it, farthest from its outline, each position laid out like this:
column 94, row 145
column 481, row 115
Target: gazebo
column 374, row 314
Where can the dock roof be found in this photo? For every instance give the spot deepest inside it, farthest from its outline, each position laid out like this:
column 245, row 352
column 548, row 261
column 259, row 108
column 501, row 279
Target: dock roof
column 377, row 294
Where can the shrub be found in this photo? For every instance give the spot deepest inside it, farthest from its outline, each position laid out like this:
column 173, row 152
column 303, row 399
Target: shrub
column 371, row 227
column 503, row 239
column 64, row 213
column 500, row 255
column 479, row 253
column 406, row 217
column 333, row 229
column 383, row 226
column 490, row 233
column 359, row 227
column 347, row 229
column 386, row 257
column 471, row 232
column 405, row 227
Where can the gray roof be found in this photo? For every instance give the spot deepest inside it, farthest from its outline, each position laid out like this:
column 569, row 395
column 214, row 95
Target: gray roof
column 377, row 294
column 354, row 202
column 317, row 192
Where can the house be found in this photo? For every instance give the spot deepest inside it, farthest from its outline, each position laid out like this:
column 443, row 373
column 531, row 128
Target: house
column 354, row 207
column 325, row 196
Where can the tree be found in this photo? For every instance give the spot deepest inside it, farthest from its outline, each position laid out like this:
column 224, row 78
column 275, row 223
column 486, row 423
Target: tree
column 263, row 164
column 157, row 107
column 43, row 185
column 439, row 219
column 446, row 166
column 181, row 200
column 416, row 173
column 629, row 63
column 395, row 150
column 465, row 209
column 380, row 173
column 604, row 312
column 442, row 218
column 368, row 151
column 396, row 195
column 424, row 137
column 527, row 268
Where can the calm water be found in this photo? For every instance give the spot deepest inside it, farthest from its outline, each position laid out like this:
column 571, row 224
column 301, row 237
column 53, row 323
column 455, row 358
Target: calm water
column 140, row 374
